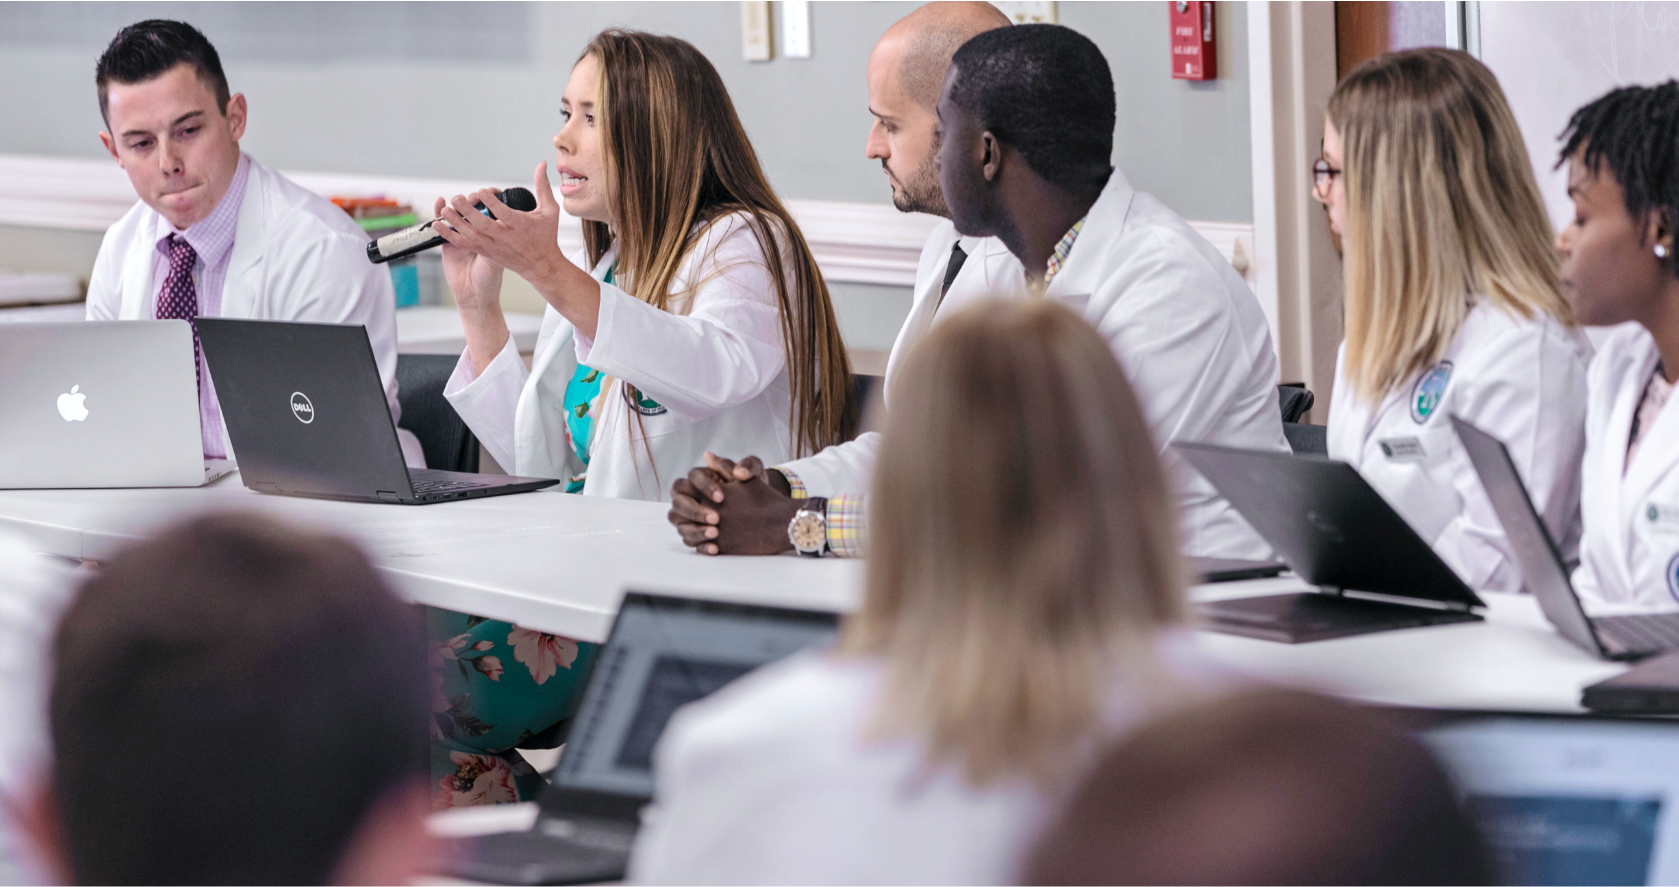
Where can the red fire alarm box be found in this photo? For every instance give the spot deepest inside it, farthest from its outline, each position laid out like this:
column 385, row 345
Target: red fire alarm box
column 1194, row 51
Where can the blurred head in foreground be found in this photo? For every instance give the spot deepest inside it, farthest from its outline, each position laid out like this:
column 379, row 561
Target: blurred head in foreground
column 237, row 701
column 1024, row 550
column 1273, row 787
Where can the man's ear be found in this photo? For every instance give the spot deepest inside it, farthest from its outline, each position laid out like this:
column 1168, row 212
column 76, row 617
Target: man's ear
column 236, row 115
column 391, row 845
column 38, row 818
column 111, row 146
column 991, row 156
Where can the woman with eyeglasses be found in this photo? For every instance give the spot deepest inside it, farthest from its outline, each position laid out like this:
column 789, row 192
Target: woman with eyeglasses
column 1453, row 306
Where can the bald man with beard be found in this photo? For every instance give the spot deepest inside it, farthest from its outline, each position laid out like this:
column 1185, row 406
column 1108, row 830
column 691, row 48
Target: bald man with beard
column 905, row 73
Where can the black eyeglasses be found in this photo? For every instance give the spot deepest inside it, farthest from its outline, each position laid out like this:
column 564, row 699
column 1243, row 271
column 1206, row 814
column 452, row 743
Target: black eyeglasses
column 1323, row 175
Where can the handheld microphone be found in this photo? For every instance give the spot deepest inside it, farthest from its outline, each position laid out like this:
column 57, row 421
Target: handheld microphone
column 420, row 237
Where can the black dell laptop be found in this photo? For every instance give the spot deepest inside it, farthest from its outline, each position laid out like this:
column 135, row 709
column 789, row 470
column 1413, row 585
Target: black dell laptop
column 1372, row 571
column 307, row 415
column 664, row 652
column 1543, row 570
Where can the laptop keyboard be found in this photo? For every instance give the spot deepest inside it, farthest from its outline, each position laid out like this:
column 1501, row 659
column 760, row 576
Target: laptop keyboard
column 1643, row 634
column 425, row 487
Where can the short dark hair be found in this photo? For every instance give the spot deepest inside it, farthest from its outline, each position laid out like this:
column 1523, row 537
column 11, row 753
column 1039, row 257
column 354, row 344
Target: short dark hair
column 1046, row 90
column 150, row 48
column 1635, row 131
column 1266, row 787
column 230, row 700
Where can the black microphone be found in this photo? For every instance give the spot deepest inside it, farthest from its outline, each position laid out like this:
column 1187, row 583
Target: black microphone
column 409, row 241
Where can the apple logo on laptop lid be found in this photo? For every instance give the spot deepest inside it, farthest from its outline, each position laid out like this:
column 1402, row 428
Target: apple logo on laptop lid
column 71, row 405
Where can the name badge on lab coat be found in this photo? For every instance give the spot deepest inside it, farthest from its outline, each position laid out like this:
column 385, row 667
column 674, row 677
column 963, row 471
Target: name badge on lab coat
column 1403, row 449
column 1662, row 518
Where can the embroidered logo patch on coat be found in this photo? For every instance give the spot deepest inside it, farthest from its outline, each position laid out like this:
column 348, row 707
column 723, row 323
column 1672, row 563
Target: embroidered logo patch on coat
column 1673, row 577
column 1426, row 395
column 643, row 404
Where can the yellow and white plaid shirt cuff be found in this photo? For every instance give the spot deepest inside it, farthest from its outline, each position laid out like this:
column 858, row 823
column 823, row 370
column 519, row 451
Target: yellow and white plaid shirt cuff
column 847, row 530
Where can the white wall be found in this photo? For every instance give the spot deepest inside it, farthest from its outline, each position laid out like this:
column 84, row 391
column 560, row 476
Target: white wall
column 470, row 91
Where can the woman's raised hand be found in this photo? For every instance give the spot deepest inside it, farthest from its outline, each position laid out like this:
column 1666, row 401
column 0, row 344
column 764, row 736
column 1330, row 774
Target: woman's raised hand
column 525, row 243
column 475, row 282
column 474, row 279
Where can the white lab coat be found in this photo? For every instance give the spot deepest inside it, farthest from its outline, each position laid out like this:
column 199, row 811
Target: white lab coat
column 714, row 366
column 295, row 257
column 1186, row 328
column 1629, row 553
column 775, row 779
column 1523, row 382
column 847, row 467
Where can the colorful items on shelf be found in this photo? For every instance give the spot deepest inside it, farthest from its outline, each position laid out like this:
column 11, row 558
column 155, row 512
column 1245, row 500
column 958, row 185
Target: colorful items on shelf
column 379, row 215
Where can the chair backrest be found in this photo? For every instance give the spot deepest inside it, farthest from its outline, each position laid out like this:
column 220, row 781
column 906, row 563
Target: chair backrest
column 1307, row 440
column 447, row 442
column 1294, row 399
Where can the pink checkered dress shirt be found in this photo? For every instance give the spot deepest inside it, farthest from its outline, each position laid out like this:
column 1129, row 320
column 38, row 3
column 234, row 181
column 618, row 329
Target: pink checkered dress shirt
column 212, row 238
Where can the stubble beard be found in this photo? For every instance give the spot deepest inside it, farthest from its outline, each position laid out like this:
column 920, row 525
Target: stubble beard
column 920, row 191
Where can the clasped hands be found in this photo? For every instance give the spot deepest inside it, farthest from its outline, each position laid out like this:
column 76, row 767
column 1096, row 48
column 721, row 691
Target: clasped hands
column 726, row 507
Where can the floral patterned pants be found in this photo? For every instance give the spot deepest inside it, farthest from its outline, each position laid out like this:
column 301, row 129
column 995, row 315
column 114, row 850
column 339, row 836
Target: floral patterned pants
column 496, row 687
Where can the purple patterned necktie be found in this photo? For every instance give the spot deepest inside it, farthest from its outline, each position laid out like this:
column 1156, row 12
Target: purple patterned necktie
column 179, row 300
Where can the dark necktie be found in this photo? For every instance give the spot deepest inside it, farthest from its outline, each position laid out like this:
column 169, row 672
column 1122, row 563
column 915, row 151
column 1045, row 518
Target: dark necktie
column 179, row 299
column 957, row 257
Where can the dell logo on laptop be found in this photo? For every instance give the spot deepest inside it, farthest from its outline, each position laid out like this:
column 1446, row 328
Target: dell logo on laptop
column 301, row 408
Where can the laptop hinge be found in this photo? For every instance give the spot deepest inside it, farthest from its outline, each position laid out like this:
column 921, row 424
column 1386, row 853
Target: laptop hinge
column 1459, row 606
column 389, row 496
column 1332, row 590
column 265, row 487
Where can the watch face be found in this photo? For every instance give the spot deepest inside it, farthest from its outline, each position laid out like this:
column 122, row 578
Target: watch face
column 809, row 532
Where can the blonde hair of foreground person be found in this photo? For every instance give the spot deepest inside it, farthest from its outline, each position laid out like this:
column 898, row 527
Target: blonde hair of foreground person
column 1024, row 549
column 1441, row 204
column 679, row 160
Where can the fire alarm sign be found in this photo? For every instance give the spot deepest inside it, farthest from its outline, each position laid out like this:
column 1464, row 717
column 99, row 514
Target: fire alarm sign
column 1194, row 52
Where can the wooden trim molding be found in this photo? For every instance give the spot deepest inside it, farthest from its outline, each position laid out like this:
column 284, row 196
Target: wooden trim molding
column 867, row 243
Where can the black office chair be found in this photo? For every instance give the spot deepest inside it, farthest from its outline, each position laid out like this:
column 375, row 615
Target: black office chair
column 447, row 442
column 864, row 388
column 1295, row 399
column 1307, row 440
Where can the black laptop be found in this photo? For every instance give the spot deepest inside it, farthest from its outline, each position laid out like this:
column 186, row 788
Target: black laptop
column 664, row 652
column 1543, row 570
column 307, row 415
column 1372, row 571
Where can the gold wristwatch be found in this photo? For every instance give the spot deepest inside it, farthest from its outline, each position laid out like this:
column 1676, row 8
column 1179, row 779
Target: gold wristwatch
column 808, row 531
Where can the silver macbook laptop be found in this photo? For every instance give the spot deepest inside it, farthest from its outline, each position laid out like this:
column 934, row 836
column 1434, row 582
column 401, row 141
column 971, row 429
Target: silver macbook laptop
column 100, row 404
column 1542, row 567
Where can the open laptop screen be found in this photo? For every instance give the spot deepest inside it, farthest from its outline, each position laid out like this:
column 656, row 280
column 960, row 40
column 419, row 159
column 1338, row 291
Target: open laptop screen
column 1568, row 800
column 665, row 652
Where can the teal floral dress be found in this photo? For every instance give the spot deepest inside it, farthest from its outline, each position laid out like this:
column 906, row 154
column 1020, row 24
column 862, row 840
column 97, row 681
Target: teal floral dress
column 497, row 687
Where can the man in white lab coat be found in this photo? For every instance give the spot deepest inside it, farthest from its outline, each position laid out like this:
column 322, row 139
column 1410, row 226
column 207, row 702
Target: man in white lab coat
column 1186, row 328
column 215, row 233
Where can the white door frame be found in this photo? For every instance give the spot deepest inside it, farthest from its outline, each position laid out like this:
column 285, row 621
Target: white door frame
column 1296, row 272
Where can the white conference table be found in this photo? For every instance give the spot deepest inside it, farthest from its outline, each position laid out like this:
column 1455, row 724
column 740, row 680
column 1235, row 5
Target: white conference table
column 561, row 563
column 546, row 560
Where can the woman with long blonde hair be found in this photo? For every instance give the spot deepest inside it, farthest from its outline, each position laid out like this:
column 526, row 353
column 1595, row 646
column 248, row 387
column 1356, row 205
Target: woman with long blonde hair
column 1023, row 603
column 694, row 319
column 1453, row 305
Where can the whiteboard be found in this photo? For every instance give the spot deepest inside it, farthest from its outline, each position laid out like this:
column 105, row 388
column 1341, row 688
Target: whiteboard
column 1551, row 58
